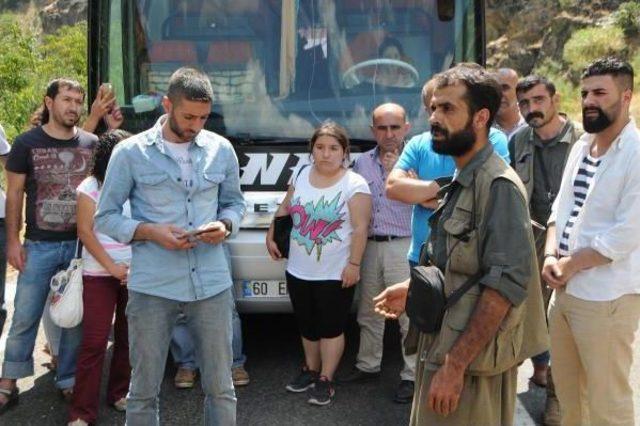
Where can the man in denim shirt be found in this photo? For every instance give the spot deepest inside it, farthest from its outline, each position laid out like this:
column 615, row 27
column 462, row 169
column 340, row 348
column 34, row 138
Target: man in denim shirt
column 183, row 186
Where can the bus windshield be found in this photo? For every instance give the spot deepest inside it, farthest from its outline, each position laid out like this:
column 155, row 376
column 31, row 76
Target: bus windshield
column 280, row 67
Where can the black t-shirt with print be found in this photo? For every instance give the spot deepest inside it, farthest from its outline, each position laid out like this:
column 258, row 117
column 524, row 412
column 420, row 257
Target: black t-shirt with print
column 53, row 169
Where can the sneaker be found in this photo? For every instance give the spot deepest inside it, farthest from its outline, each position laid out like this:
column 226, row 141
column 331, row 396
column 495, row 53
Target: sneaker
column 551, row 416
column 322, row 393
column 357, row 376
column 121, row 404
column 240, row 376
column 185, row 378
column 305, row 380
column 404, row 394
column 78, row 422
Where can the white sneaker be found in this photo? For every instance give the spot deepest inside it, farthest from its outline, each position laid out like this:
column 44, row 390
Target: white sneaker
column 121, row 404
column 78, row 422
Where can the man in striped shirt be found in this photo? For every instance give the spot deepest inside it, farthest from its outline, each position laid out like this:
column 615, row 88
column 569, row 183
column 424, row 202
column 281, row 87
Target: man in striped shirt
column 538, row 154
column 592, row 255
column 384, row 262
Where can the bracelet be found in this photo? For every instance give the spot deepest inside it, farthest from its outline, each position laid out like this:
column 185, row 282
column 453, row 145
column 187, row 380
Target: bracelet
column 549, row 255
column 353, row 263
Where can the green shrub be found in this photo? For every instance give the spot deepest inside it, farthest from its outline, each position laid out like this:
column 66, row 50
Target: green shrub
column 588, row 44
column 635, row 63
column 27, row 63
column 627, row 17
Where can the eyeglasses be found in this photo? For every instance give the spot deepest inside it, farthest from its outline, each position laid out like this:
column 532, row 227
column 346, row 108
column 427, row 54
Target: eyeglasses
column 393, row 128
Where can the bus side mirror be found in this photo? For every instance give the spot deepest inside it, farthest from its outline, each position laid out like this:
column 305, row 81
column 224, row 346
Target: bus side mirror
column 446, row 10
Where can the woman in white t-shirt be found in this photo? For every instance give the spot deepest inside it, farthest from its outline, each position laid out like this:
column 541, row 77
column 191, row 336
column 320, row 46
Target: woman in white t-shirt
column 104, row 276
column 330, row 206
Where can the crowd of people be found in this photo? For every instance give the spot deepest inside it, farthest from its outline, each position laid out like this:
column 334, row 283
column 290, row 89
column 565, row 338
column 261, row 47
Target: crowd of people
column 529, row 223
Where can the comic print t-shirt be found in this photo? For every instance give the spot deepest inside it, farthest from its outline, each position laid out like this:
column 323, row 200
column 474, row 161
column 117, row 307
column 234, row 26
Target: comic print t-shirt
column 321, row 234
column 54, row 168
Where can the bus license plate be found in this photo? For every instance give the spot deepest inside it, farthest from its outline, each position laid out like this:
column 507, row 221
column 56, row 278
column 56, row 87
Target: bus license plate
column 264, row 289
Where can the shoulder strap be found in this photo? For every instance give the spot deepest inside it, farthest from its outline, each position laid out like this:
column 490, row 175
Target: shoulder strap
column 460, row 291
column 543, row 169
column 78, row 254
column 472, row 280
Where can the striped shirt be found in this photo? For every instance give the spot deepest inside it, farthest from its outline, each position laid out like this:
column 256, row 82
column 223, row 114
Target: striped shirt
column 388, row 217
column 581, row 185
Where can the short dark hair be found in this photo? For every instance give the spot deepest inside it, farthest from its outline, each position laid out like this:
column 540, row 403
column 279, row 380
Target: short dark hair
column 621, row 70
column 390, row 42
column 102, row 152
column 483, row 89
column 190, row 84
column 336, row 131
column 53, row 88
column 531, row 81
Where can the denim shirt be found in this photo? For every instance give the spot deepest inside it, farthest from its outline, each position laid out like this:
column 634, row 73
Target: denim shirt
column 143, row 172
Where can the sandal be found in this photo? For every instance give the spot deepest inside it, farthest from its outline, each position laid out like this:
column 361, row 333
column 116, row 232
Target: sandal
column 12, row 399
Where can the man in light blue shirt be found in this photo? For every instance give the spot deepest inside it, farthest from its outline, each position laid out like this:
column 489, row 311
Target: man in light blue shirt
column 419, row 173
column 183, row 186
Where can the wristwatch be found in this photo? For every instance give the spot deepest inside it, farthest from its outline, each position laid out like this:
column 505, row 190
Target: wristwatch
column 228, row 226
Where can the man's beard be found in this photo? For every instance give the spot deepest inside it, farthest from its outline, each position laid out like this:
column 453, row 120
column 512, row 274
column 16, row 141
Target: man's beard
column 597, row 124
column 62, row 120
column 454, row 144
column 181, row 133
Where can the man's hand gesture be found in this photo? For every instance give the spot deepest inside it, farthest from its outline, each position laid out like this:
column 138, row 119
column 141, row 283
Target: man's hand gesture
column 389, row 159
column 391, row 302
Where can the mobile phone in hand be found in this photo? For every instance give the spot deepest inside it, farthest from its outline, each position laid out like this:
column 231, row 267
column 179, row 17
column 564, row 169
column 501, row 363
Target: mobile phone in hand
column 194, row 233
column 108, row 89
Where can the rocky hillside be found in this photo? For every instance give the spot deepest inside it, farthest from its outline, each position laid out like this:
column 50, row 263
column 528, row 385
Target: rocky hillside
column 525, row 33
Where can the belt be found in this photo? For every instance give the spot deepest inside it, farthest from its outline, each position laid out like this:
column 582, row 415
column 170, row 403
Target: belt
column 381, row 238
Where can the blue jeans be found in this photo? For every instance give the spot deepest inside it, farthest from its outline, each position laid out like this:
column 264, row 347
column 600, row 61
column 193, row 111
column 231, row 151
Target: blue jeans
column 182, row 343
column 44, row 259
column 182, row 349
column 151, row 321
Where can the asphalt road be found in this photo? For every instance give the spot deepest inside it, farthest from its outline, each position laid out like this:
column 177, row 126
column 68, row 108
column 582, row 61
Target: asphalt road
column 274, row 356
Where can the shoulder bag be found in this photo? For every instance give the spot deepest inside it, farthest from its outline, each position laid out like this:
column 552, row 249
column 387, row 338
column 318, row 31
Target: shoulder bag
column 66, row 308
column 426, row 300
column 282, row 226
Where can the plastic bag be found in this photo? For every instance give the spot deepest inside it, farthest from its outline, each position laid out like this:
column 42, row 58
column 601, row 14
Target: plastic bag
column 66, row 299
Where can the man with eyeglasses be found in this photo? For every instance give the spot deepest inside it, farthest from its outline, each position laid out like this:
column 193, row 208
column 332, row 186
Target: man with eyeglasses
column 383, row 262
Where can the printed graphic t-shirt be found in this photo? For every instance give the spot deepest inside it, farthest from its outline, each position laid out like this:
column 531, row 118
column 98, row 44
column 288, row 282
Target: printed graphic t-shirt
column 120, row 253
column 321, row 234
column 54, row 168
